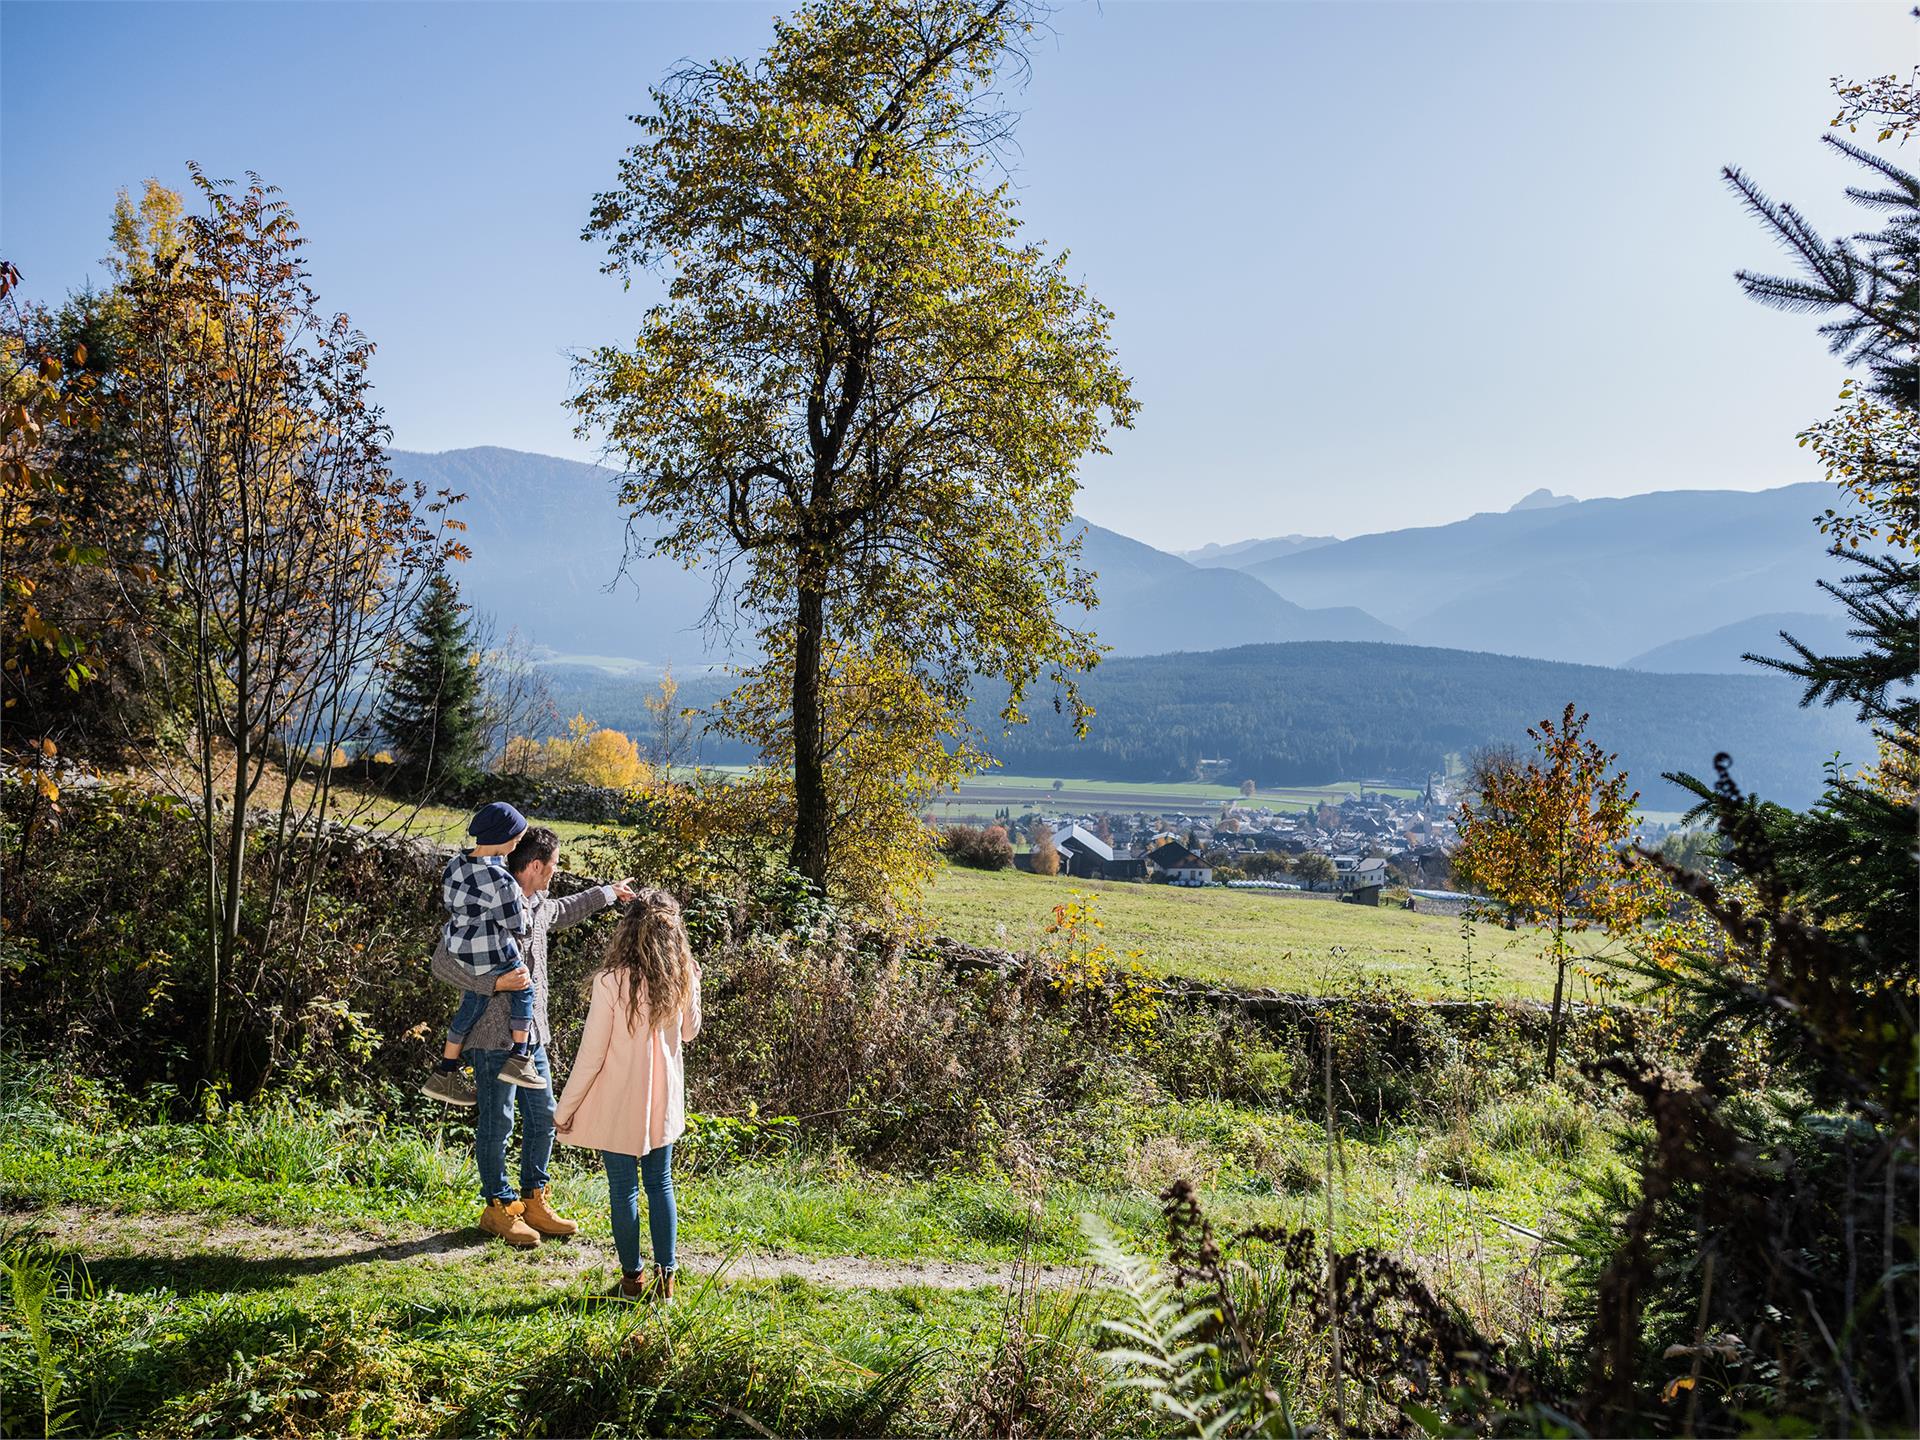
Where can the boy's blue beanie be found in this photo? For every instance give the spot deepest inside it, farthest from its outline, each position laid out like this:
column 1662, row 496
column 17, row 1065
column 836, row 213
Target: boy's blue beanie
column 496, row 824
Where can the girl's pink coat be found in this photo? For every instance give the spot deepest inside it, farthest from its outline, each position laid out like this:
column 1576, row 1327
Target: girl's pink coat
column 627, row 1089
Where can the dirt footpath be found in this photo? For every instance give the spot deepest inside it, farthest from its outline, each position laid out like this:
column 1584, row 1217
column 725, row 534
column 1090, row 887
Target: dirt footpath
column 177, row 1236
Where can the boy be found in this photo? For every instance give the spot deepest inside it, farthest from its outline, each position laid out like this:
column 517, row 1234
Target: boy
column 484, row 915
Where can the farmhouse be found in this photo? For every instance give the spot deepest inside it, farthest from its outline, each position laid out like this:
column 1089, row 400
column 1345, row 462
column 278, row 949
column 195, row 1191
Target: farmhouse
column 1085, row 856
column 1356, row 874
column 1177, row 865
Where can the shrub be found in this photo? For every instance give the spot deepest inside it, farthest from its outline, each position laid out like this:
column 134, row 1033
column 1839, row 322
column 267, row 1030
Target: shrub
column 1220, row 1054
column 1045, row 858
column 1383, row 1044
column 904, row 1062
column 978, row 848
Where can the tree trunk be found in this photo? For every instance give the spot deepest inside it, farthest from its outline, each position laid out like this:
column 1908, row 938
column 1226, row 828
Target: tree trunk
column 810, row 812
column 234, row 862
column 1559, row 990
column 210, row 877
column 1559, row 950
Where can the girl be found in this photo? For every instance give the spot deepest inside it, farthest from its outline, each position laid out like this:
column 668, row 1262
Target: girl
column 626, row 1095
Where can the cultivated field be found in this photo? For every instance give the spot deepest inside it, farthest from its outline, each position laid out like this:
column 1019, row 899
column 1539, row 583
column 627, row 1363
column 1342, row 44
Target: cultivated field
column 984, row 793
column 1290, row 942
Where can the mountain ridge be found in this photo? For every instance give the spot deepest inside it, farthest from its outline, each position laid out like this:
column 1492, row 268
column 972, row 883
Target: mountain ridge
column 1600, row 581
column 1595, row 582
column 547, row 563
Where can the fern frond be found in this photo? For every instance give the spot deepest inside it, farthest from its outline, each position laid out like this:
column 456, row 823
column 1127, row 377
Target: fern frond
column 1159, row 1356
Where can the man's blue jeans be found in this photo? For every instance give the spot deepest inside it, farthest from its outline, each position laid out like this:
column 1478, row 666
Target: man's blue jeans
column 493, row 1125
column 625, row 1174
column 473, row 1005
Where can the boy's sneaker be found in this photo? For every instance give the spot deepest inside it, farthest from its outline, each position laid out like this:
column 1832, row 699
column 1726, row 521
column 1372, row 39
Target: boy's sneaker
column 450, row 1087
column 519, row 1071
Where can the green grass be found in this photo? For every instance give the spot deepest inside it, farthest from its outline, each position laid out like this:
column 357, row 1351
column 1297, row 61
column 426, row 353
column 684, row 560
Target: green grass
column 1234, row 937
column 311, row 1327
column 293, row 1165
column 225, row 1344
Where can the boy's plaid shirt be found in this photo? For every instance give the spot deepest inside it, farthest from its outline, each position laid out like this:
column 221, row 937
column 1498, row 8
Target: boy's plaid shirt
column 483, row 912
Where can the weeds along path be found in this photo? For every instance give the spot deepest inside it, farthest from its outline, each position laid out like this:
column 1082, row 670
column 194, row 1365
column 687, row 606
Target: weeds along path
column 193, row 1242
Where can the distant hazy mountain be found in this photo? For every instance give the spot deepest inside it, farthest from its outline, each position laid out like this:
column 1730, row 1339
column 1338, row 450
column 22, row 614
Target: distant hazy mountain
column 1541, row 499
column 548, row 537
column 1242, row 553
column 1152, row 602
column 1718, row 651
column 1596, row 581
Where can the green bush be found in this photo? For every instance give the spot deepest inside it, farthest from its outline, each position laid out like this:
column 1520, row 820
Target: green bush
column 903, row 1062
column 1220, row 1054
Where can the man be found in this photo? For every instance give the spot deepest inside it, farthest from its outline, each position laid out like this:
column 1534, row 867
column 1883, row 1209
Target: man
column 520, row 1219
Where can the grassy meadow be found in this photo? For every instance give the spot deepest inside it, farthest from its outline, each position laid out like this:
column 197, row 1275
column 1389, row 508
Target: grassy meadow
column 285, row 1269
column 1249, row 938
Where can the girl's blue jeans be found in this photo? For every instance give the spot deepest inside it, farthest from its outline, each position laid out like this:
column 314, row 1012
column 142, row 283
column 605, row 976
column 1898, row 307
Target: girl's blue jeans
column 625, row 1175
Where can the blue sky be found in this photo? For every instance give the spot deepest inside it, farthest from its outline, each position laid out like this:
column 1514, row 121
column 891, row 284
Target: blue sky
column 1374, row 265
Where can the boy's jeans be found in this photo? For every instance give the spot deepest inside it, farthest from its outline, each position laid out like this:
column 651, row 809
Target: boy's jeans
column 473, row 1005
column 625, row 1175
column 493, row 1125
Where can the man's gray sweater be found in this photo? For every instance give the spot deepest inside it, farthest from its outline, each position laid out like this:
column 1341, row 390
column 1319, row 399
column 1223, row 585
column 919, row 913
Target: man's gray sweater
column 544, row 915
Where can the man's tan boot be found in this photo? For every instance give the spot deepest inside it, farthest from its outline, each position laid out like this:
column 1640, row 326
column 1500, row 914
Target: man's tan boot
column 541, row 1217
column 503, row 1219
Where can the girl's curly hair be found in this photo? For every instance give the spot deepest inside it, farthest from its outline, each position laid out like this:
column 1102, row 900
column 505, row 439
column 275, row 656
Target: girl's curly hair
column 649, row 947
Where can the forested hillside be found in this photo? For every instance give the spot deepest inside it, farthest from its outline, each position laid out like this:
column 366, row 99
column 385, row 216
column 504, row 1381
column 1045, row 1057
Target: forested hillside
column 1318, row 711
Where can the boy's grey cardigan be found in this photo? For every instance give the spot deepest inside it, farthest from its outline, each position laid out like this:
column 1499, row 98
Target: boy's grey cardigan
column 544, row 914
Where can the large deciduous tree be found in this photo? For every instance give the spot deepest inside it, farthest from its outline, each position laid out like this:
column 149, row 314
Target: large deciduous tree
column 865, row 394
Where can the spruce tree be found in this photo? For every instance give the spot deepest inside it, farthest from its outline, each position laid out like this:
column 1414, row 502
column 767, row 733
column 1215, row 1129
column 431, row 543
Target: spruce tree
column 432, row 715
column 1776, row 1189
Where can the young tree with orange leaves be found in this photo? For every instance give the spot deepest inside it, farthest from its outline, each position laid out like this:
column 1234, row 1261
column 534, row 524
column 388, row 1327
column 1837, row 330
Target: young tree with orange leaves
column 1544, row 838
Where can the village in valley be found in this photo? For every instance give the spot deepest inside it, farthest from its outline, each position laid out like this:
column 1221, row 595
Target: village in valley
column 1357, row 849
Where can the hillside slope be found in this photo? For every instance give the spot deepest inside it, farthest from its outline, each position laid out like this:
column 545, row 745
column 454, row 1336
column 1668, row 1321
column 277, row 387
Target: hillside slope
column 1718, row 651
column 1152, row 602
column 548, row 539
